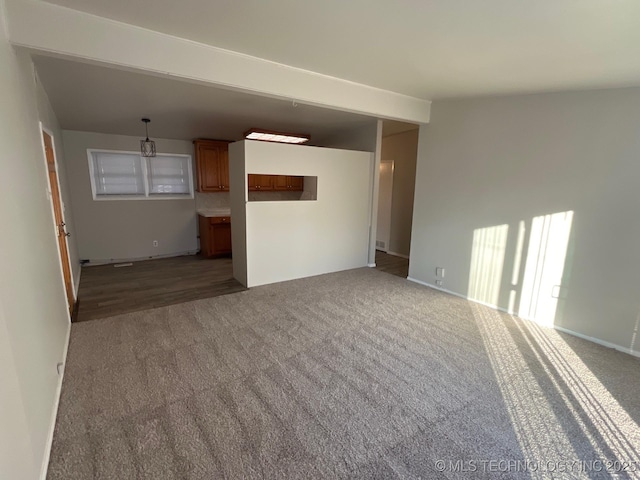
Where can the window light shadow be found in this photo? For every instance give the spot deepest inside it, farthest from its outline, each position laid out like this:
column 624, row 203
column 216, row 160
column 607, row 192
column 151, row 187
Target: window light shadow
column 535, row 286
column 559, row 409
column 487, row 260
column 542, row 282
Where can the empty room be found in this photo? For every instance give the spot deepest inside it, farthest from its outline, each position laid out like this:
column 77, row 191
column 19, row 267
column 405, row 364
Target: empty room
column 319, row 239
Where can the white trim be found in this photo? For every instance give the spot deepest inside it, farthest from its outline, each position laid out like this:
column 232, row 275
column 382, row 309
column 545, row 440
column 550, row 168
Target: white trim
column 54, row 413
column 396, row 254
column 598, row 341
column 604, row 343
column 145, row 178
column 109, row 261
column 371, row 265
column 74, row 290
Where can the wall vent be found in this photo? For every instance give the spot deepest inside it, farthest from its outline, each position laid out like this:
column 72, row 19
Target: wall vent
column 380, row 243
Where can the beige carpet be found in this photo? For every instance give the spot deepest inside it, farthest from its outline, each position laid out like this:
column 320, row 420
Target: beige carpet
column 356, row 374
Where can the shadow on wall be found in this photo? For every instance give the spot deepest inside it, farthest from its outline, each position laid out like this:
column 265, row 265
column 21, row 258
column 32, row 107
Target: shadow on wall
column 535, row 292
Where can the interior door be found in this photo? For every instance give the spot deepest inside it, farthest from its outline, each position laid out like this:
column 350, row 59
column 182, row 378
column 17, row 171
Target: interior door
column 59, row 218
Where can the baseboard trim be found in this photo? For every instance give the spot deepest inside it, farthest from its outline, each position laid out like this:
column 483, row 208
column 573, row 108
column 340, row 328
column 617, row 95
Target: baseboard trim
column 109, row 261
column 371, row 265
column 598, row 341
column 54, row 412
column 396, row 254
column 604, row 343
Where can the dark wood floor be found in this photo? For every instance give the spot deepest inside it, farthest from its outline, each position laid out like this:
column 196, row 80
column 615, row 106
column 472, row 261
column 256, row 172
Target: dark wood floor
column 392, row 264
column 106, row 290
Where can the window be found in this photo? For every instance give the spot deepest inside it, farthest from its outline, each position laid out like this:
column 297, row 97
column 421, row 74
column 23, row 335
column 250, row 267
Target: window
column 128, row 176
column 169, row 175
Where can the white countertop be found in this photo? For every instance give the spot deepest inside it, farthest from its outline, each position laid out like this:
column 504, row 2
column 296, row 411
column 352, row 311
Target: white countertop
column 215, row 212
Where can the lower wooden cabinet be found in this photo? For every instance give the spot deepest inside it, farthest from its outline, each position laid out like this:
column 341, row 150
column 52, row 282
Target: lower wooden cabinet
column 215, row 236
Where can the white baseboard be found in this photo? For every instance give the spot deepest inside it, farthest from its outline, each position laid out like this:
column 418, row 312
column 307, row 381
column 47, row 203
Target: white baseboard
column 604, row 343
column 372, row 265
column 54, row 412
column 109, row 261
column 396, row 254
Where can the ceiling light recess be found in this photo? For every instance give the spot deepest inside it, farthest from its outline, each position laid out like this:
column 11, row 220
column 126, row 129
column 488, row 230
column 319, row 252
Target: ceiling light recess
column 271, row 136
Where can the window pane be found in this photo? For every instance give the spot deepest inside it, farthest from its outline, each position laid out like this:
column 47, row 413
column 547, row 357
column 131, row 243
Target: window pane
column 117, row 174
column 168, row 175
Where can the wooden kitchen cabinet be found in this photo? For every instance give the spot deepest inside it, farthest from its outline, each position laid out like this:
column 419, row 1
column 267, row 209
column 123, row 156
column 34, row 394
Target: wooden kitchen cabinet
column 212, row 165
column 215, row 236
column 289, row 183
column 261, row 183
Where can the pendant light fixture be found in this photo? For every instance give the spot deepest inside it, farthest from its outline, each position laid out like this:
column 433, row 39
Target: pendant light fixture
column 147, row 147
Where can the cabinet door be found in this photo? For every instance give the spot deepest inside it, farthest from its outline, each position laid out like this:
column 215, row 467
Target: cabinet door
column 205, row 235
column 208, row 158
column 253, row 182
column 223, row 168
column 220, row 238
column 212, row 165
column 280, row 182
column 295, row 183
column 260, row 183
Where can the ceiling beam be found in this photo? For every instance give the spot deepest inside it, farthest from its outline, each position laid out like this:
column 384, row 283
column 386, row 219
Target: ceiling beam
column 50, row 29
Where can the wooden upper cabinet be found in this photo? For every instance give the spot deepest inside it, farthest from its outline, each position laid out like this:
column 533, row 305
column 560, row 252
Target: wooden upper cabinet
column 296, row 183
column 212, row 165
column 261, row 183
column 288, row 182
column 280, row 182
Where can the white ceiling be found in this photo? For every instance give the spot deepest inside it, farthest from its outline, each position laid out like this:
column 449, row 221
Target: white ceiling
column 424, row 48
column 99, row 99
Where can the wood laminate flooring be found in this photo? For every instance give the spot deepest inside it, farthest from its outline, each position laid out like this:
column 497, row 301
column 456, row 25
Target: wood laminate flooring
column 106, row 290
column 392, row 264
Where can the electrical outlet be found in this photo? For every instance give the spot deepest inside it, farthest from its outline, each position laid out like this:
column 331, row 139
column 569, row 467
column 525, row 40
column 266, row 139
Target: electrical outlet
column 440, row 272
column 439, row 283
column 155, row 243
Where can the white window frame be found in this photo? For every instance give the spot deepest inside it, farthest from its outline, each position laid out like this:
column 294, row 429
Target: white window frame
column 145, row 177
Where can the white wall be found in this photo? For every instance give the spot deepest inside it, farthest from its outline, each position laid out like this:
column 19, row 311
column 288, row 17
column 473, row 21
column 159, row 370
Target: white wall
column 365, row 137
column 125, row 229
column 34, row 322
column 489, row 163
column 402, row 148
column 295, row 239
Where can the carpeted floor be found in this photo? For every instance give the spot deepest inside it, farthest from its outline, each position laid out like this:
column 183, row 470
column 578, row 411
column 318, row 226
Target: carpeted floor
column 357, row 374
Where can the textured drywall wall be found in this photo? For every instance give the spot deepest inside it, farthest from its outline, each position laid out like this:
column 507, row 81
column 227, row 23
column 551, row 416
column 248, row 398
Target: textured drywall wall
column 562, row 169
column 125, row 229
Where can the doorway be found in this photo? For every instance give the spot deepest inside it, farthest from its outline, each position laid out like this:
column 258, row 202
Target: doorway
column 58, row 213
column 385, row 193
